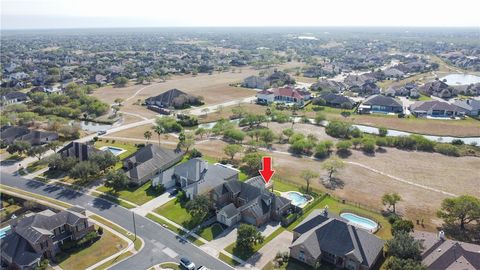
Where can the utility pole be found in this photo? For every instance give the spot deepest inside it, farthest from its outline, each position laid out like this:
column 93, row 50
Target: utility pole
column 134, row 226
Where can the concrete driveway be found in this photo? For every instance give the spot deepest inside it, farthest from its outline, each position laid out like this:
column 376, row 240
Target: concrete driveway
column 268, row 252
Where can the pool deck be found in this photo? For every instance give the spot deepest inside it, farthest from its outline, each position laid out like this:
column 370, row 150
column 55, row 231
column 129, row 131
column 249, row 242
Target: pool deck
column 284, row 194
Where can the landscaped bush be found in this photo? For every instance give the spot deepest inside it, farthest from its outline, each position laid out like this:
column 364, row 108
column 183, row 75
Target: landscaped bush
column 338, row 129
column 194, row 153
column 447, row 149
column 368, row 145
column 457, row 142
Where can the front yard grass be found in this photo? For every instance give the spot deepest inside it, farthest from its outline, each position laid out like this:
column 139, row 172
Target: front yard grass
column 37, row 165
column 211, row 232
column 174, row 211
column 228, row 260
column 82, row 258
column 137, row 243
column 174, row 229
column 138, row 195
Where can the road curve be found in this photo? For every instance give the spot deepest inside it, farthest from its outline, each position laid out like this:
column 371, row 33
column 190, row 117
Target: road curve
column 159, row 242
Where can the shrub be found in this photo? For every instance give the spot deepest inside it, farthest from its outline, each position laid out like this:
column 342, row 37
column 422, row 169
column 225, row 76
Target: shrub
column 447, row 149
column 382, row 132
column 338, row 129
column 194, row 153
column 100, row 231
column 368, row 145
column 343, row 146
column 457, row 142
column 321, row 151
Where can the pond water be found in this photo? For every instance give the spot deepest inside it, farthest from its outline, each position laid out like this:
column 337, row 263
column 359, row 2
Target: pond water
column 461, row 79
column 92, row 126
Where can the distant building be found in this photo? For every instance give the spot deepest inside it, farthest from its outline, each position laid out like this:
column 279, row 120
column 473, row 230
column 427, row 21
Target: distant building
column 40, row 235
column 435, row 108
column 470, row 106
column 380, row 104
column 249, row 202
column 332, row 240
column 255, row 82
column 442, row 253
column 337, row 101
column 10, row 134
column 286, row 95
column 439, row 89
column 149, row 161
column 173, row 98
column 196, row 177
column 13, row 98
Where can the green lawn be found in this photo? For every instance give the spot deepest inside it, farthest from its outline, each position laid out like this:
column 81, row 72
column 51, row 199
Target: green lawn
column 137, row 242
column 174, row 266
column 82, row 258
column 227, row 260
column 245, row 255
column 283, row 186
column 37, row 165
column 109, row 263
column 293, row 264
column 422, row 98
column 175, row 212
column 138, row 195
column 210, row 233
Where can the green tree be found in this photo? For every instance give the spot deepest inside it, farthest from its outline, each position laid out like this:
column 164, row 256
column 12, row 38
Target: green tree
column 252, row 163
column 343, row 146
column 116, row 180
column 103, row 159
column 288, row 133
column 147, row 135
column 198, row 208
column 307, row 176
column 84, row 170
column 461, row 210
column 159, row 130
column 120, row 81
column 186, row 140
column 332, row 166
column 404, row 246
column 267, row 136
column 382, row 132
column 319, row 118
column 20, row 147
column 368, row 145
column 232, row 149
column 247, row 237
column 402, row 225
column 37, row 151
column 54, row 145
column 235, row 135
column 391, row 199
column 338, row 129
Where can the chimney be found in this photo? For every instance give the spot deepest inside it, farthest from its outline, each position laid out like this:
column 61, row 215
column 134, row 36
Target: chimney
column 441, row 235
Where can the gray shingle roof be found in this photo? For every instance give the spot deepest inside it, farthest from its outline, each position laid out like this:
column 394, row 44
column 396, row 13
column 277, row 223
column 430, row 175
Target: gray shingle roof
column 337, row 237
column 19, row 250
column 149, row 159
column 432, row 105
column 166, row 99
column 230, row 210
column 381, row 100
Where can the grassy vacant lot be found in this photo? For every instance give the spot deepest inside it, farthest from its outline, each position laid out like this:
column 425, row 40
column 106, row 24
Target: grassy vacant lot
column 106, row 246
column 138, row 195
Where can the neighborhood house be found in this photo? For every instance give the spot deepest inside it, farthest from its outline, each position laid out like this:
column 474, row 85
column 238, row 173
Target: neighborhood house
column 434, row 108
column 80, row 151
column 286, row 95
column 173, row 98
column 149, row 161
column 40, row 235
column 320, row 238
column 196, row 177
column 380, row 104
column 249, row 202
column 10, row 134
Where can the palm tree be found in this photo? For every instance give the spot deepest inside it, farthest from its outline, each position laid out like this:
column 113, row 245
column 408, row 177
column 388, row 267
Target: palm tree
column 391, row 199
column 147, row 135
column 159, row 130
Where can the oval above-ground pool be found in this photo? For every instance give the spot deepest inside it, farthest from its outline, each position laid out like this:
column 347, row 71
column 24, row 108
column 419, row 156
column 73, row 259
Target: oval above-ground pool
column 360, row 222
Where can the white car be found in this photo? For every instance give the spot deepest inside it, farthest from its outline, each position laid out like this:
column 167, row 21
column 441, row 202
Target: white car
column 187, row 264
column 203, row 268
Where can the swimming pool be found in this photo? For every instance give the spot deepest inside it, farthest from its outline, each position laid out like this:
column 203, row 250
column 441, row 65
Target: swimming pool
column 297, row 198
column 361, row 222
column 4, row 231
column 114, row 150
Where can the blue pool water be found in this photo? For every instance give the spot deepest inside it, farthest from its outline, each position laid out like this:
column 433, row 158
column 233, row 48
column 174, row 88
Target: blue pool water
column 297, row 198
column 359, row 221
column 114, row 150
column 3, row 231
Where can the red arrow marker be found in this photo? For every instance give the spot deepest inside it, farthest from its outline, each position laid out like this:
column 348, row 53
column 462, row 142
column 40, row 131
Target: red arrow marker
column 267, row 171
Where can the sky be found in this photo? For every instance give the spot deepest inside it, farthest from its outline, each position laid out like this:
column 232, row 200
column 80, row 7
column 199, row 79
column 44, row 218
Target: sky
column 45, row 14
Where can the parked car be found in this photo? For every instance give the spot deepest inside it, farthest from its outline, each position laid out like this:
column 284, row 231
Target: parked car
column 187, row 264
column 202, row 268
column 102, row 132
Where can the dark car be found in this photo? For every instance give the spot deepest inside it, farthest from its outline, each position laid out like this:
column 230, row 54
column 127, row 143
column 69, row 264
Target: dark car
column 187, row 264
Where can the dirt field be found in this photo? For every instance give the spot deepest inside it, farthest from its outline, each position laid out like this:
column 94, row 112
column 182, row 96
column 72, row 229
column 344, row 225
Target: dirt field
column 363, row 186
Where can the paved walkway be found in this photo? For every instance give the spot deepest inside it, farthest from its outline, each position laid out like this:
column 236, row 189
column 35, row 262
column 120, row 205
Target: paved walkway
column 151, row 205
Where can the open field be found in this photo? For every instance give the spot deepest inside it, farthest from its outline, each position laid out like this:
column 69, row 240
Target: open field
column 366, row 187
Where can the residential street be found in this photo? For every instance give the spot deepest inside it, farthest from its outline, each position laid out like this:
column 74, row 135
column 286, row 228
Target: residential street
column 161, row 245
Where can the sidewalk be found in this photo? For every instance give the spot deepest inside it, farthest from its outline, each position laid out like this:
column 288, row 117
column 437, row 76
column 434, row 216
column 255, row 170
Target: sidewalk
column 151, row 205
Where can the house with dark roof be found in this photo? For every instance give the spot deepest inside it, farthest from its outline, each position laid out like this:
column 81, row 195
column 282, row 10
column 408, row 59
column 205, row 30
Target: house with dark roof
column 469, row 106
column 328, row 85
column 250, row 202
column 196, row 176
column 380, row 104
column 10, row 134
column 439, row 89
column 149, row 161
column 173, row 98
column 255, row 82
column 285, row 95
column 435, row 108
column 442, row 253
column 80, row 151
column 40, row 235
column 337, row 100
column 320, row 238
column 13, row 98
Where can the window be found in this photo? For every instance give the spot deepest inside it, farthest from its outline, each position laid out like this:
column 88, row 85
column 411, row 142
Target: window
column 301, row 255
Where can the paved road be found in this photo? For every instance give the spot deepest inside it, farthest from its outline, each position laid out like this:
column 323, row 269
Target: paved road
column 161, row 244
